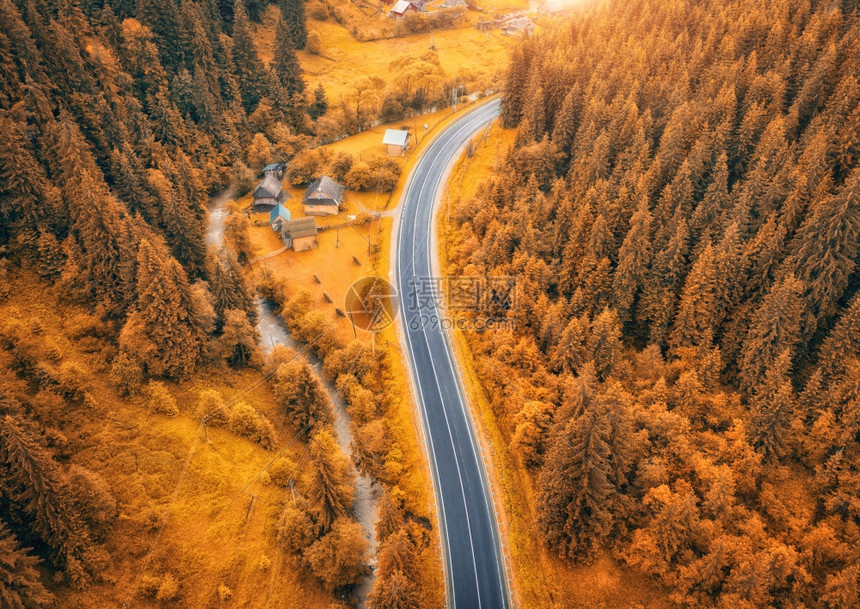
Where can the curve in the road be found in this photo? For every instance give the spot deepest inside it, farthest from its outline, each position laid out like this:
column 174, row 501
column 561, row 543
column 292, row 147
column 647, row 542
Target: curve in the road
column 475, row 570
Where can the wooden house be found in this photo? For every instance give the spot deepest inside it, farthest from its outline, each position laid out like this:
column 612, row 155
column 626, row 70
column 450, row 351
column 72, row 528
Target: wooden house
column 278, row 216
column 323, row 197
column 270, row 192
column 300, row 234
column 396, row 141
column 276, row 169
column 403, row 7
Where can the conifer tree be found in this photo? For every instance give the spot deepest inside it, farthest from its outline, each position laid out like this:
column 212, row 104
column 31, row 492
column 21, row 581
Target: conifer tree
column 842, row 342
column 33, row 493
column 238, row 340
column 162, row 331
column 604, row 342
column 285, row 64
column 633, row 259
column 20, row 584
column 396, row 591
column 250, row 71
column 825, row 251
column 575, row 497
column 331, row 487
column 293, row 14
column 319, row 106
column 391, row 517
column 774, row 329
column 773, row 406
column 297, row 388
column 697, row 309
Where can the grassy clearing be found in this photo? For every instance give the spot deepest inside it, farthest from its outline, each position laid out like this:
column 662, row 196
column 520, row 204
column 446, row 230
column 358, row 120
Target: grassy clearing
column 464, row 53
column 202, row 545
column 540, row 579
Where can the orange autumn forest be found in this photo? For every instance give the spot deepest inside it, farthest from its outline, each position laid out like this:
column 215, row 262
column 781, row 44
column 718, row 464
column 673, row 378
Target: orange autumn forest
column 430, row 304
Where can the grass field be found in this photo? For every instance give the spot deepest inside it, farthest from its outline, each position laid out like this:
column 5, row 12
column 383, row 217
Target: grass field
column 465, row 54
column 173, row 487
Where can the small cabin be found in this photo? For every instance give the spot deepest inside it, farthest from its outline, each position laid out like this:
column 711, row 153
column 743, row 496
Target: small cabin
column 323, row 197
column 278, row 216
column 270, row 192
column 300, row 234
column 402, row 7
column 396, row 141
column 276, row 169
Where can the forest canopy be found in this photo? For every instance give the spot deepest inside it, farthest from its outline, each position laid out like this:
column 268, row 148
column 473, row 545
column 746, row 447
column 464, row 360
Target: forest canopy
column 681, row 208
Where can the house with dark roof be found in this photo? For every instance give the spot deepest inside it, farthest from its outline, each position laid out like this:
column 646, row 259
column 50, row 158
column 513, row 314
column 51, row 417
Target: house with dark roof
column 278, row 216
column 323, row 197
column 270, row 192
column 300, row 234
column 276, row 169
column 396, row 141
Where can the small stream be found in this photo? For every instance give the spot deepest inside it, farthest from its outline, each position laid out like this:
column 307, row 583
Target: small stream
column 272, row 331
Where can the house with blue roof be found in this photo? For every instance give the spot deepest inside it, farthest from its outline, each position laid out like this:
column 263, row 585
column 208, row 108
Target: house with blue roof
column 276, row 169
column 278, row 216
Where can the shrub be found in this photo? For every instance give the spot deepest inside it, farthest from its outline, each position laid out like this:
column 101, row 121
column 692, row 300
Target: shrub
column 126, row 373
column 307, row 165
column 92, row 499
column 210, row 402
column 318, row 11
column 314, row 43
column 169, row 588
column 296, row 530
column 160, row 399
column 242, row 178
column 340, row 166
column 248, row 423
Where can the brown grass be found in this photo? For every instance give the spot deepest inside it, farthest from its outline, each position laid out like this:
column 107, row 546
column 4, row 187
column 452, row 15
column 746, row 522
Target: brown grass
column 141, row 455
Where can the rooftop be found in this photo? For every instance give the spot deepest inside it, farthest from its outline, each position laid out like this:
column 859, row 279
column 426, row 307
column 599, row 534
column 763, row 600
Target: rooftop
column 395, row 137
column 300, row 227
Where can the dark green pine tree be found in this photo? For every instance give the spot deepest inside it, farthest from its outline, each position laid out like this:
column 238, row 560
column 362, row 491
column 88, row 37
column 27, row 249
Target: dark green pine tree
column 576, row 499
column 20, row 584
column 285, row 63
column 250, row 71
column 825, row 251
column 34, row 495
column 228, row 287
column 320, row 104
column 162, row 17
column 293, row 12
column 774, row 329
column 162, row 331
column 773, row 409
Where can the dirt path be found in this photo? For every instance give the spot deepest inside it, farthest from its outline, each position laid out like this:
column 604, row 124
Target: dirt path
column 273, row 332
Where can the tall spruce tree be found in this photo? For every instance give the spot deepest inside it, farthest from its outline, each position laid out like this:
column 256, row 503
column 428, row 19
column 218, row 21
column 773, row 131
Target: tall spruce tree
column 162, row 331
column 20, row 584
column 285, row 63
column 33, row 495
column 293, row 14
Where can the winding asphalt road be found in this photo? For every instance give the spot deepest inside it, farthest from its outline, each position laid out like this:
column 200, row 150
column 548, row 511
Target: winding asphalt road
column 474, row 564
